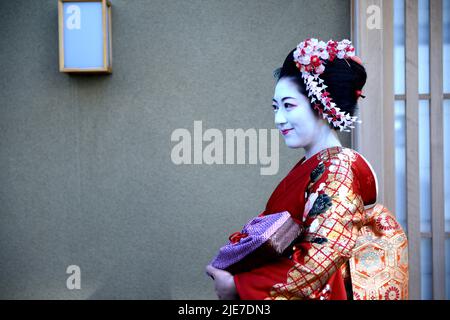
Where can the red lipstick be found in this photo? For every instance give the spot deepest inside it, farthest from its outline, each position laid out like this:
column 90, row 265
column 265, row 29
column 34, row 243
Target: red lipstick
column 285, row 132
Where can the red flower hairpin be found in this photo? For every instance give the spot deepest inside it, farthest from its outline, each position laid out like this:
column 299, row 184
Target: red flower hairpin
column 359, row 94
column 310, row 58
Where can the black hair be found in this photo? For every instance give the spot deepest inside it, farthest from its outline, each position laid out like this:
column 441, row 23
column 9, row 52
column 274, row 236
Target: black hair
column 342, row 78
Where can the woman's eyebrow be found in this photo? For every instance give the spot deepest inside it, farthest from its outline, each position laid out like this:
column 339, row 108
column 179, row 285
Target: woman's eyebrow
column 273, row 99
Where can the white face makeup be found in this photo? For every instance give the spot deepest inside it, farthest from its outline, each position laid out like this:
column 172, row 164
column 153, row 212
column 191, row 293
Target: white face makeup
column 294, row 117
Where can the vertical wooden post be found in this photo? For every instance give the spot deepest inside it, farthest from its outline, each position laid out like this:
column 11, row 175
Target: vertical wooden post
column 436, row 149
column 412, row 148
column 388, row 124
column 369, row 137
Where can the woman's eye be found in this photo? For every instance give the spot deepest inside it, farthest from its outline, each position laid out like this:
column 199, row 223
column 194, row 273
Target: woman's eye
column 274, row 107
column 288, row 105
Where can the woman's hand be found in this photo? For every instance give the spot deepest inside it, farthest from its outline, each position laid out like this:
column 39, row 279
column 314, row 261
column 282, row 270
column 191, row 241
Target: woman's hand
column 223, row 282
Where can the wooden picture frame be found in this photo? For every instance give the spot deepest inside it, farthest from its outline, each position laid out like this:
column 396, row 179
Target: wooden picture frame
column 106, row 66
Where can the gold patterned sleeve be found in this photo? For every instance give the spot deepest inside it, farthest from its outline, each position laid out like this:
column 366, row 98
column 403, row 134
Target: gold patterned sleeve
column 332, row 218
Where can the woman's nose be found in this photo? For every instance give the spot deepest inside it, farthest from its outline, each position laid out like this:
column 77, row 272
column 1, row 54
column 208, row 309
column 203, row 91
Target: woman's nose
column 279, row 117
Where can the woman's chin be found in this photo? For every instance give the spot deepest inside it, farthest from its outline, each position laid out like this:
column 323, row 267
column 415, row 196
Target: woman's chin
column 293, row 145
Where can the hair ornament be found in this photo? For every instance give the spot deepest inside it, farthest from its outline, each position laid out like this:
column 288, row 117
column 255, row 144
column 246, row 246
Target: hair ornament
column 310, row 57
column 358, row 94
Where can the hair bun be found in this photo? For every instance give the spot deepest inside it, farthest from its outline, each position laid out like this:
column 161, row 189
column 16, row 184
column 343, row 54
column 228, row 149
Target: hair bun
column 343, row 76
column 360, row 74
column 357, row 59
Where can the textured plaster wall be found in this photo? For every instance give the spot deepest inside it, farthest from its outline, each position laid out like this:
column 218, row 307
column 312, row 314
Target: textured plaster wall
column 85, row 168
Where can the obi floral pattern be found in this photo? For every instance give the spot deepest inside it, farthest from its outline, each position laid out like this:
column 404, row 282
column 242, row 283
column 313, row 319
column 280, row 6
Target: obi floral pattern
column 379, row 267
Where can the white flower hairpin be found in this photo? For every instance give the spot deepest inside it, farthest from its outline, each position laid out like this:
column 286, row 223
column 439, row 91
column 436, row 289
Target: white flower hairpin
column 310, row 58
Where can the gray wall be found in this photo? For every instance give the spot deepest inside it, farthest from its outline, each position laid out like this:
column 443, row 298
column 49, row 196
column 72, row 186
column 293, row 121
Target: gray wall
column 86, row 176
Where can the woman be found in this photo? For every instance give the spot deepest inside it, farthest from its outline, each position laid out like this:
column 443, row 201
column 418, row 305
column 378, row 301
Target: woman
column 327, row 192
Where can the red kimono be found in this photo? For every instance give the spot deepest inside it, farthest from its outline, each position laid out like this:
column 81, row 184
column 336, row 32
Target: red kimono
column 327, row 195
